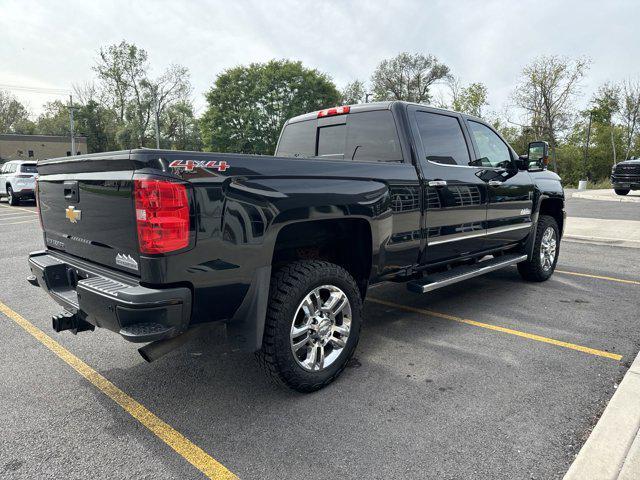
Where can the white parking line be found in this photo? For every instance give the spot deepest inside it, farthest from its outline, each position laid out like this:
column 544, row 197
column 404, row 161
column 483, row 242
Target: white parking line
column 8, row 214
column 33, row 220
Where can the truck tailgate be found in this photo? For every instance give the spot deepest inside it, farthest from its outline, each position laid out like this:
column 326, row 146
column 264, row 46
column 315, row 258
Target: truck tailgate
column 87, row 210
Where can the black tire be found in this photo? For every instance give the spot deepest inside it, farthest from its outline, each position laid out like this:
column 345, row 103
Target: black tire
column 622, row 191
column 11, row 198
column 533, row 270
column 290, row 285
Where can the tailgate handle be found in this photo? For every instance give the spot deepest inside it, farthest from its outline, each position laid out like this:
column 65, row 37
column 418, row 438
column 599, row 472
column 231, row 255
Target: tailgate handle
column 71, row 191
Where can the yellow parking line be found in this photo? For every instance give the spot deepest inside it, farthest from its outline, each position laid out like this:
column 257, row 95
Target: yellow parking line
column 518, row 333
column 600, row 277
column 182, row 445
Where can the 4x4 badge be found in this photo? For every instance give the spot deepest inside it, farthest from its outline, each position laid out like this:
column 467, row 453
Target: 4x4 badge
column 72, row 214
column 189, row 166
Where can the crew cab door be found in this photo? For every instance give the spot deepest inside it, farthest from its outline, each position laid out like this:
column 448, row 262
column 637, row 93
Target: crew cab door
column 509, row 190
column 455, row 198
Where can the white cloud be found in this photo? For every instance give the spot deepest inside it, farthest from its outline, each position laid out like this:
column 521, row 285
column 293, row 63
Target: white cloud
column 51, row 45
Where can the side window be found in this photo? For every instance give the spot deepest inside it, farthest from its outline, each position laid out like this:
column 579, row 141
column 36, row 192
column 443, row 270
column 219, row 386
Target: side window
column 492, row 150
column 442, row 138
column 372, row 136
column 331, row 141
column 298, row 140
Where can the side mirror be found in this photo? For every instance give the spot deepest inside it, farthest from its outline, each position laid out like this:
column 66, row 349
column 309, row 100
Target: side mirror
column 538, row 153
column 522, row 162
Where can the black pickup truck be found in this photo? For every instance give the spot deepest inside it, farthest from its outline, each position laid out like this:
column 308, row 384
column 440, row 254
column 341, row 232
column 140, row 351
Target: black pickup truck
column 152, row 244
column 625, row 176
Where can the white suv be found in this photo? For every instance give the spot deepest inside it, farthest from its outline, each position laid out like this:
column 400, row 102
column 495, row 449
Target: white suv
column 18, row 180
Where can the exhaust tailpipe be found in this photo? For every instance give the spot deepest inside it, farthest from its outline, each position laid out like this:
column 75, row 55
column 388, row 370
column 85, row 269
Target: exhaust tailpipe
column 154, row 350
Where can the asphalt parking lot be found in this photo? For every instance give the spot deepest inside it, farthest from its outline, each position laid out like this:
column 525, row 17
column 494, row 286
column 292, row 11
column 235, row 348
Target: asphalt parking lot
column 493, row 378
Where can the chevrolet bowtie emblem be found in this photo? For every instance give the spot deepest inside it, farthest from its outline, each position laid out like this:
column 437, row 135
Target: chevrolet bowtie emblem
column 72, row 214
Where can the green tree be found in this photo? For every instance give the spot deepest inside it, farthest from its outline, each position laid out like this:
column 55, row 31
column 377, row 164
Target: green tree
column 605, row 106
column 54, row 120
column 546, row 92
column 91, row 120
column 515, row 135
column 99, row 125
column 407, row 77
column 138, row 99
column 248, row 105
column 182, row 129
column 470, row 99
column 14, row 117
column 353, row 93
column 630, row 115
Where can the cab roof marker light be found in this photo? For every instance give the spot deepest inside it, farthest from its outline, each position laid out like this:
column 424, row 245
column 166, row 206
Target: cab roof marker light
column 330, row 112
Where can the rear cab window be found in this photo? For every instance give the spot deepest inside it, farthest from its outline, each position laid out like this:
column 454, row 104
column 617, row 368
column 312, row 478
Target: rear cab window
column 298, row 140
column 362, row 136
column 331, row 141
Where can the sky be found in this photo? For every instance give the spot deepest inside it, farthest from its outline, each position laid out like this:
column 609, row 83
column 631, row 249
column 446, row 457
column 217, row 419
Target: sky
column 53, row 45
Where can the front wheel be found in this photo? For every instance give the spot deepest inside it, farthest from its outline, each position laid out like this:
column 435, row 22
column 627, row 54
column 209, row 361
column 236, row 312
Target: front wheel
column 545, row 252
column 622, row 191
column 312, row 325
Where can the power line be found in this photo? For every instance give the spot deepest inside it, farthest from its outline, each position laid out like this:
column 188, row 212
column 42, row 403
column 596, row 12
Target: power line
column 55, row 91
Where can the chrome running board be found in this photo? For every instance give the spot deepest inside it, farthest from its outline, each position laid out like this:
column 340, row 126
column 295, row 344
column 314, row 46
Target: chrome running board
column 463, row 272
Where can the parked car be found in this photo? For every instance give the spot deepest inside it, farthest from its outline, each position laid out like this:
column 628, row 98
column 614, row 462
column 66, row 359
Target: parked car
column 625, row 176
column 18, row 180
column 152, row 244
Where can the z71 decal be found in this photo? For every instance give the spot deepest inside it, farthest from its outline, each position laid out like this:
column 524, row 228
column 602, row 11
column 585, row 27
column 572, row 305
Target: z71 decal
column 190, row 165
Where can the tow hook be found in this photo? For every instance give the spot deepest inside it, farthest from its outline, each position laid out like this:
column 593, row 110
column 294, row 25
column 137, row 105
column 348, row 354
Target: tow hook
column 33, row 280
column 70, row 321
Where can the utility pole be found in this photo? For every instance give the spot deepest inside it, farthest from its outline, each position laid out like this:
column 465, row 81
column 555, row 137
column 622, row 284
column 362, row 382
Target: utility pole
column 73, row 138
column 586, row 147
column 155, row 108
column 157, row 128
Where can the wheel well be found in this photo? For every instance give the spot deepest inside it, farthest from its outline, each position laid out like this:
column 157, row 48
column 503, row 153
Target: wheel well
column 553, row 207
column 345, row 242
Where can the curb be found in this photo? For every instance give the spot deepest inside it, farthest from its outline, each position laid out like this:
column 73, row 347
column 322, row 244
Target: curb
column 612, row 451
column 609, row 242
column 591, row 196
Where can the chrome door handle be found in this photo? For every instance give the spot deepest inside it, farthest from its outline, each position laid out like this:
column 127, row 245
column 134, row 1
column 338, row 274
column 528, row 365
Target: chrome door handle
column 494, row 183
column 437, row 183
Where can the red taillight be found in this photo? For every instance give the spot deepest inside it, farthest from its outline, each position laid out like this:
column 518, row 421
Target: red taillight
column 329, row 112
column 36, row 193
column 162, row 215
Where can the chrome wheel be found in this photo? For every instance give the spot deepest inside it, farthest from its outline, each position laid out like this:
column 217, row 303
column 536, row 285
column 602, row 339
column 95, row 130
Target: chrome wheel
column 548, row 249
column 320, row 327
